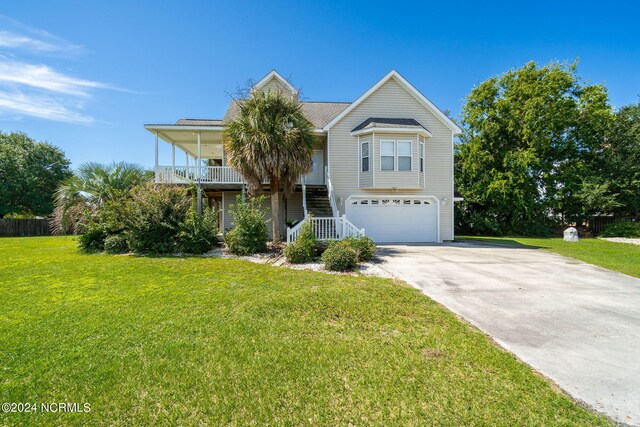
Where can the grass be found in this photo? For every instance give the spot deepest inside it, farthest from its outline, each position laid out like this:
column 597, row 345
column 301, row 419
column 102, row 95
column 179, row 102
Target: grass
column 184, row 341
column 622, row 257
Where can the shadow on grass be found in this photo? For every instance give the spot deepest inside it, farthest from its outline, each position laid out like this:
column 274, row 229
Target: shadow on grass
column 496, row 242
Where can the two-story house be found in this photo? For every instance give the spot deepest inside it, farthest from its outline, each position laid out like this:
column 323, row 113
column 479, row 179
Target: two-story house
column 383, row 163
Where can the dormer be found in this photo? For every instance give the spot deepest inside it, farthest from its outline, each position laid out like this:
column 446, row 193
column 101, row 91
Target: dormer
column 275, row 82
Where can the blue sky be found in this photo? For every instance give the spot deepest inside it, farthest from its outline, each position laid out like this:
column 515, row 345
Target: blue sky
column 87, row 75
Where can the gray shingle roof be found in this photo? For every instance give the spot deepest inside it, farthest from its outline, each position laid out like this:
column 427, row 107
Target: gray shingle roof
column 382, row 122
column 199, row 122
column 318, row 113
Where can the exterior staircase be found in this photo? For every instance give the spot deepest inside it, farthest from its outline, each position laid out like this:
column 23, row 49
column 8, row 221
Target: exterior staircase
column 318, row 203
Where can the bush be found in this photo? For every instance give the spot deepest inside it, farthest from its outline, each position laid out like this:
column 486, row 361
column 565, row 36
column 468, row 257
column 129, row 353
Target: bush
column 250, row 233
column 155, row 217
column 99, row 224
column 94, row 236
column 116, row 244
column 622, row 229
column 364, row 247
column 339, row 257
column 303, row 249
column 198, row 232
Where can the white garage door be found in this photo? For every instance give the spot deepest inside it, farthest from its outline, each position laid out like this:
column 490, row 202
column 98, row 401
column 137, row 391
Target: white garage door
column 395, row 219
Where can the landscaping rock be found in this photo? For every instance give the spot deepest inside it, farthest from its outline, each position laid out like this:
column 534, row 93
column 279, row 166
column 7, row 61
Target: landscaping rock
column 571, row 235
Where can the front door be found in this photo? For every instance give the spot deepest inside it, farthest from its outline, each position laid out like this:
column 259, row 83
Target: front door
column 316, row 177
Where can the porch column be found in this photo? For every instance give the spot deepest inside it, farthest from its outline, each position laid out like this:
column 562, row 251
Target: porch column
column 156, row 160
column 199, row 193
column 173, row 160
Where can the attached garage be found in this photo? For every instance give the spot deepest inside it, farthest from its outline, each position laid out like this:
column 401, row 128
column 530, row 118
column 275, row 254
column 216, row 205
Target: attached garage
column 396, row 219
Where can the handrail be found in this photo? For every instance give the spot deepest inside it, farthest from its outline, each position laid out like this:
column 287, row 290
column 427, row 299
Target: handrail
column 304, row 197
column 349, row 229
column 332, row 196
column 292, row 233
column 326, row 228
column 208, row 174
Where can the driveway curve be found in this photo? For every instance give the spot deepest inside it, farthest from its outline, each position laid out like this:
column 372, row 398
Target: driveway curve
column 576, row 323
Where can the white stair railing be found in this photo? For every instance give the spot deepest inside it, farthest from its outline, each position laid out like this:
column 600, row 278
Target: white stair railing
column 326, row 228
column 294, row 232
column 331, row 193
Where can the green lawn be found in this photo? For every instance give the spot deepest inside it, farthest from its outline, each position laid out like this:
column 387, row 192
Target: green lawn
column 184, row 341
column 622, row 257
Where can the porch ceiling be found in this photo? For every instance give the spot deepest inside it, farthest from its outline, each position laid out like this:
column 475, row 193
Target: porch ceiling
column 187, row 139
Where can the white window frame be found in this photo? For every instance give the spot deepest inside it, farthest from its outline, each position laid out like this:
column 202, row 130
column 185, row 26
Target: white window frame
column 395, row 155
column 368, row 156
column 410, row 155
column 421, row 157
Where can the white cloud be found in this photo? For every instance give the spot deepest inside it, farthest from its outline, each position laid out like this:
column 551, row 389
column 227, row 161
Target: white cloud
column 36, row 89
column 43, row 77
column 15, row 35
column 42, row 106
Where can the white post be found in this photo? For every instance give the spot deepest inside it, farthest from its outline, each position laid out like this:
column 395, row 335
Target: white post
column 173, row 158
column 186, row 163
column 156, row 168
column 199, row 193
column 344, row 226
column 199, row 158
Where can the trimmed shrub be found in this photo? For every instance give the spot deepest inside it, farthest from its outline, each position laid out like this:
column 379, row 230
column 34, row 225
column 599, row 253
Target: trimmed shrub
column 298, row 253
column 622, row 229
column 155, row 217
column 303, row 249
column 198, row 232
column 116, row 244
column 339, row 257
column 364, row 247
column 250, row 233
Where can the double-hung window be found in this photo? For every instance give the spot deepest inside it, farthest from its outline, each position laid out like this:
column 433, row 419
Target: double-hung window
column 387, row 155
column 364, row 154
column 422, row 157
column 404, row 155
column 395, row 155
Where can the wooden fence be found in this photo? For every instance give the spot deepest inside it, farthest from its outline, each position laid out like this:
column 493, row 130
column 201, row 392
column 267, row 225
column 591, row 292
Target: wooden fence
column 597, row 224
column 10, row 227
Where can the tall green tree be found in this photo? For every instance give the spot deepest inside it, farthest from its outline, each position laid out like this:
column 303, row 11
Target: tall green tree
column 619, row 161
column 527, row 146
column 90, row 187
column 30, row 172
column 270, row 139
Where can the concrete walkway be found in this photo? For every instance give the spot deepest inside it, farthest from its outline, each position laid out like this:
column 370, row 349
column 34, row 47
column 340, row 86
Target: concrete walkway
column 575, row 323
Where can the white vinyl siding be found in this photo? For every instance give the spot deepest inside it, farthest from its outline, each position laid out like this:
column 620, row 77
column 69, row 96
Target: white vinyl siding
column 392, row 100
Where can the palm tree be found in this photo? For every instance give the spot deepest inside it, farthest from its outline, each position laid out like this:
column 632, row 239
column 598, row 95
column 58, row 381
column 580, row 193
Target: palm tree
column 91, row 186
column 270, row 139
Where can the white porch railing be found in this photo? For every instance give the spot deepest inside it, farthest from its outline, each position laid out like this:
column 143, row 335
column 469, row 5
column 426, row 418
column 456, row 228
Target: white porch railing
column 332, row 195
column 326, row 228
column 208, row 174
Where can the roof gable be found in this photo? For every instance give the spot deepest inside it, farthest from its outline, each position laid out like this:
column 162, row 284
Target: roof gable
column 274, row 79
column 410, row 89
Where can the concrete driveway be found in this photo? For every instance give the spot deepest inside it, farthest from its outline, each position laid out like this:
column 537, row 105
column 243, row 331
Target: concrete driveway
column 575, row 323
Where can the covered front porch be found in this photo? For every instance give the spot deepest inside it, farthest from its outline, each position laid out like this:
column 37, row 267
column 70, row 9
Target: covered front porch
column 197, row 154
